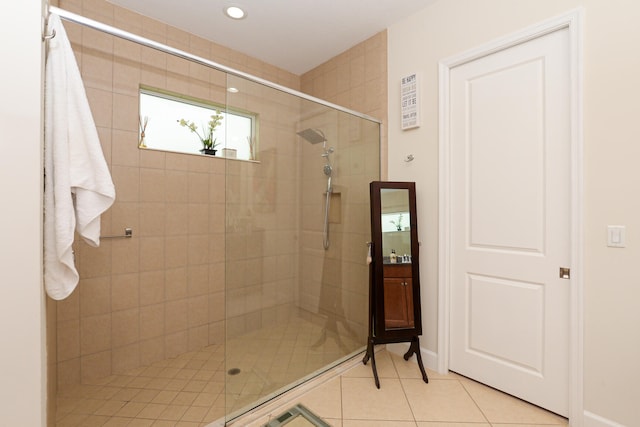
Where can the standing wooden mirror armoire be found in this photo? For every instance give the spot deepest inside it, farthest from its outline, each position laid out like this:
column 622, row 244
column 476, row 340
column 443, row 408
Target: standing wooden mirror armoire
column 394, row 279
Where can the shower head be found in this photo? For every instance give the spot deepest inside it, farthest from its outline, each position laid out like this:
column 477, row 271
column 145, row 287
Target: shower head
column 314, row 136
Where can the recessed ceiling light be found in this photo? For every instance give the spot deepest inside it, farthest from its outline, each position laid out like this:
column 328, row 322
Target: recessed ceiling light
column 233, row 90
column 235, row 12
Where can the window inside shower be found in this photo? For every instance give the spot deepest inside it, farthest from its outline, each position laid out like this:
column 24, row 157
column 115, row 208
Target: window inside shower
column 160, row 128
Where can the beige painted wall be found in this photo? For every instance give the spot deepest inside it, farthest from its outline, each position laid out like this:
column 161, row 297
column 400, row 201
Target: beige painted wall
column 611, row 180
column 22, row 362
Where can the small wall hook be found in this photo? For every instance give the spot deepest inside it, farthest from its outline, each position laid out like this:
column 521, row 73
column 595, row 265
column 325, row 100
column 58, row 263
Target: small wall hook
column 409, row 158
column 49, row 36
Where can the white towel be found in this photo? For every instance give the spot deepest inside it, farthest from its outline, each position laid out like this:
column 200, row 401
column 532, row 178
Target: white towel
column 78, row 186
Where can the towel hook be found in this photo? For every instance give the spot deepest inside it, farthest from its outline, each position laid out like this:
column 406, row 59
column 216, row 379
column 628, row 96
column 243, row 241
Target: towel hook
column 46, row 37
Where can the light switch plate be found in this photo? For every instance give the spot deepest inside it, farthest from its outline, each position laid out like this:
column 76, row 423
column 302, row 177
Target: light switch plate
column 616, row 236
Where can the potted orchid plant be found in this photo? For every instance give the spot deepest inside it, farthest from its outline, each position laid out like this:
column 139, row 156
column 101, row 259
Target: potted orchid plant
column 207, row 138
column 398, row 224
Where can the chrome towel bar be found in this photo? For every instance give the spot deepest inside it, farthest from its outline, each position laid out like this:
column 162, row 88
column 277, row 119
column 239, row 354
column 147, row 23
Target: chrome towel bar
column 128, row 233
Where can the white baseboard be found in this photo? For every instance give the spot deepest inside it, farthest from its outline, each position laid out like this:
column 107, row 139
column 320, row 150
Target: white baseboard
column 429, row 358
column 593, row 420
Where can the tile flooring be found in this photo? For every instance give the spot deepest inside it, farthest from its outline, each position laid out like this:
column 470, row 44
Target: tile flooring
column 404, row 400
column 189, row 390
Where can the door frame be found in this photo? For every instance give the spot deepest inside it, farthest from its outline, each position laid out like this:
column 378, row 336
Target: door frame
column 572, row 21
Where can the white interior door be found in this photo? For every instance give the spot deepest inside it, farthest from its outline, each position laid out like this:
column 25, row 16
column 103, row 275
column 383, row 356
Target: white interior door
column 510, row 220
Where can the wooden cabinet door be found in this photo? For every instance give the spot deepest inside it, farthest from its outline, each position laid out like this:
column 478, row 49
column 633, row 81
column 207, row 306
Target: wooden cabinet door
column 398, row 303
column 408, row 290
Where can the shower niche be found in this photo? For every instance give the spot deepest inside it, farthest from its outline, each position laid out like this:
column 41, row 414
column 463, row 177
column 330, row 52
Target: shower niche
column 394, row 283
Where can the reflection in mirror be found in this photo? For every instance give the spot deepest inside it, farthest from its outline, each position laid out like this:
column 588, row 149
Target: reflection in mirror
column 396, row 226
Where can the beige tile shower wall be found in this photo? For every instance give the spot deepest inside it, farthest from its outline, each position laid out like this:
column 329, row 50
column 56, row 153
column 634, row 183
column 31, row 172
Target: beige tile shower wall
column 262, row 206
column 356, row 79
column 335, row 282
column 162, row 292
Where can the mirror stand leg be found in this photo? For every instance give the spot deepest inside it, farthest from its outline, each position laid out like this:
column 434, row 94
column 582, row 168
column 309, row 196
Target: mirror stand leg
column 366, row 357
column 414, row 348
column 370, row 354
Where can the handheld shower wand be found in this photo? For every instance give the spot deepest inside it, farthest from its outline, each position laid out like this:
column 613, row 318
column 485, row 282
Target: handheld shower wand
column 315, row 136
column 328, row 171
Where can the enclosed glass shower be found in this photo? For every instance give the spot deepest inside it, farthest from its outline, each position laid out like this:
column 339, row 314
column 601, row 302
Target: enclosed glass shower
column 297, row 223
column 243, row 277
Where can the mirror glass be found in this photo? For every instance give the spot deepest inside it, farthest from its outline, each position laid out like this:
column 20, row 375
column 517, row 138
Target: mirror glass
column 396, row 226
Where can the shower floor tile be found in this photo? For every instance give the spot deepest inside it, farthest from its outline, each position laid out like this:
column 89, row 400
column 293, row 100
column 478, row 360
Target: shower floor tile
column 189, row 390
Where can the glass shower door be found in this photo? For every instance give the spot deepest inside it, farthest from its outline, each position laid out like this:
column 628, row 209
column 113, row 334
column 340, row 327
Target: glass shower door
column 295, row 305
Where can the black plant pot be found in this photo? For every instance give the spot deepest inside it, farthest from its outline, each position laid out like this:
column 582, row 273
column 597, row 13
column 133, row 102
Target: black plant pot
column 208, row 151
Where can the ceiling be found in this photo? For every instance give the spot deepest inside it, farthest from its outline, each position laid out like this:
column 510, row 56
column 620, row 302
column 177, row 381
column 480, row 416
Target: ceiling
column 295, row 35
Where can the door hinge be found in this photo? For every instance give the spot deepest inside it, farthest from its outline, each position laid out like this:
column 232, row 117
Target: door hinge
column 565, row 273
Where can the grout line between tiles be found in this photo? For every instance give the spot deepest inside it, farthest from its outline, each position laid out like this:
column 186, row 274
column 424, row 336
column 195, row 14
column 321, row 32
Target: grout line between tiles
column 474, row 401
column 404, row 391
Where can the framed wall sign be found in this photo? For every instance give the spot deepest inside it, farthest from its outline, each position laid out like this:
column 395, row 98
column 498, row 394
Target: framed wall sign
column 409, row 102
